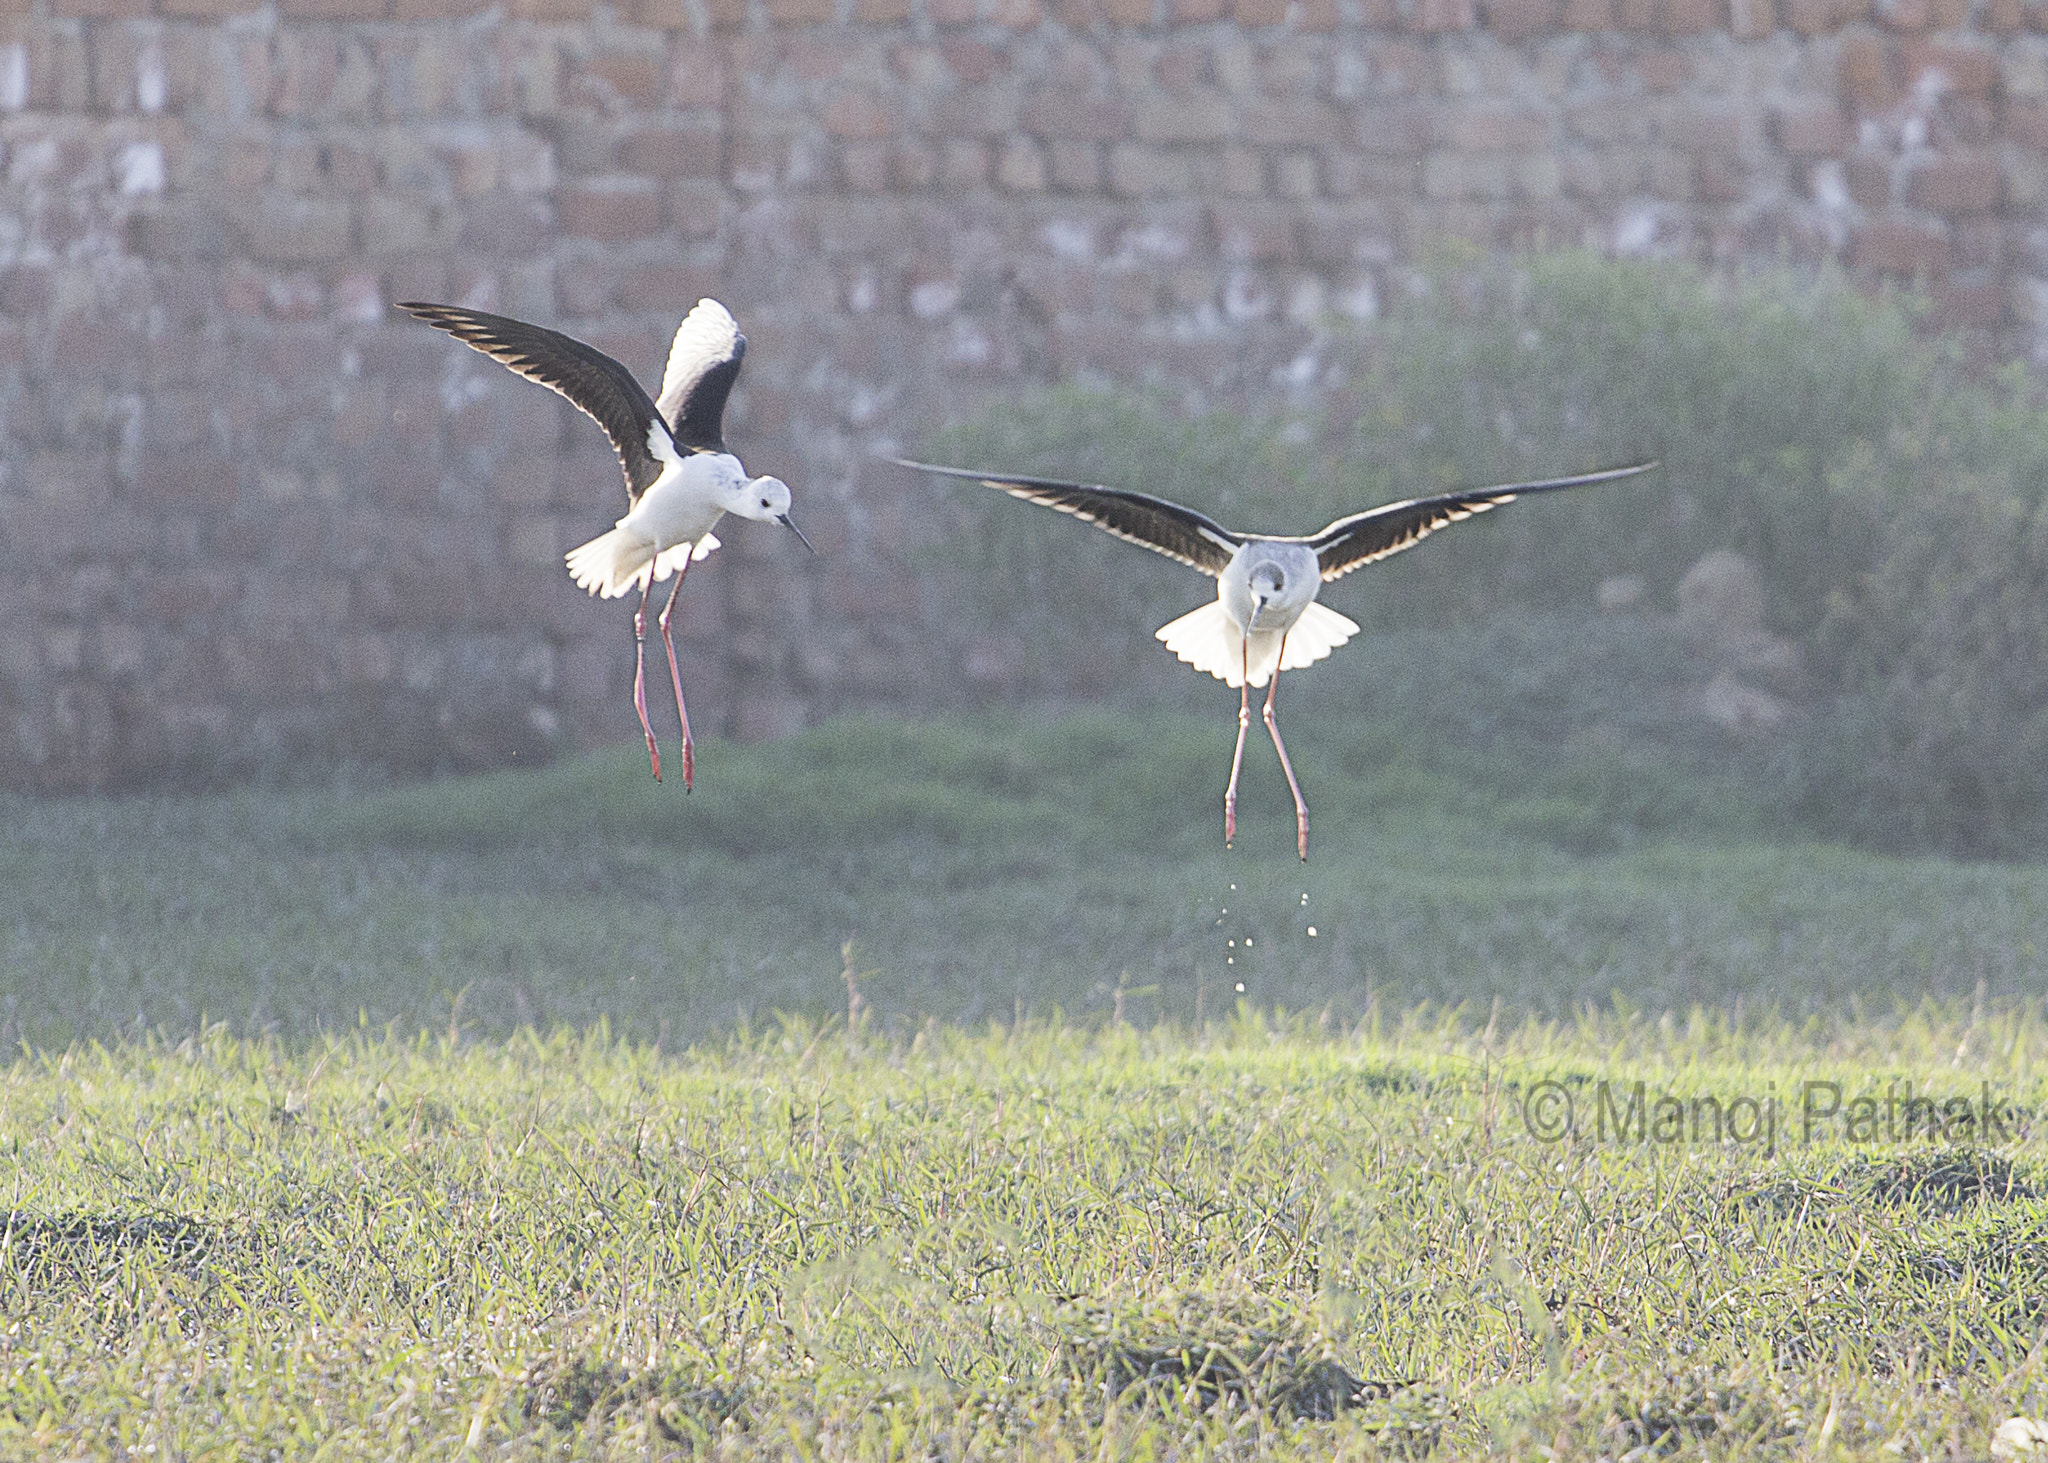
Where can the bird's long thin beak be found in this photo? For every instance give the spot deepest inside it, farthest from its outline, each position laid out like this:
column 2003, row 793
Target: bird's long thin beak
column 790, row 524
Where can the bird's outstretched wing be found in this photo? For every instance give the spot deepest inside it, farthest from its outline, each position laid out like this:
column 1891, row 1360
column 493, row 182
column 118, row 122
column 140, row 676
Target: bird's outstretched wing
column 595, row 384
column 1167, row 528
column 703, row 363
column 1362, row 538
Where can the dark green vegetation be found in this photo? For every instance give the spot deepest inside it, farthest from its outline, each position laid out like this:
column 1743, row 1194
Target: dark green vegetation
column 1041, row 1242
column 976, row 868
column 1892, row 500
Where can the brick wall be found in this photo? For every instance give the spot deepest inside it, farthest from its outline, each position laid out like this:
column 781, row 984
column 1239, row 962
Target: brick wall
column 245, row 515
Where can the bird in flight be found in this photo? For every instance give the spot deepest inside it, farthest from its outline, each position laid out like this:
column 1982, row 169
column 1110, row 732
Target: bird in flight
column 1265, row 619
column 680, row 479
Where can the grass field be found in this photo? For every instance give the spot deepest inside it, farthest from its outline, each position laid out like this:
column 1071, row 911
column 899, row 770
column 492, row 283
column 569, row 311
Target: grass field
column 528, row 1114
column 1258, row 1240
column 976, row 867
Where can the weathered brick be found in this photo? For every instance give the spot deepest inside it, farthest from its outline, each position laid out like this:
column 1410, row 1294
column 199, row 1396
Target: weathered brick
column 1290, row 122
column 1431, row 16
column 2026, row 123
column 865, row 166
column 284, row 230
column 1084, row 118
column 1200, row 116
column 1869, row 176
column 417, row 10
column 1894, row 246
column 1401, row 128
column 204, row 9
column 1691, row 17
column 1248, row 233
column 964, row 163
column 198, row 477
column 1867, row 81
column 394, row 223
column 1810, row 17
column 1955, row 184
column 503, row 224
column 334, row 9
column 1808, row 129
column 1751, row 20
column 555, row 12
column 99, row 9
column 1076, row 166
column 1977, row 302
column 1516, row 20
column 859, row 115
column 1965, row 67
column 1493, row 128
column 610, row 210
column 618, row 80
column 71, row 479
column 670, row 15
column 1148, row 172
column 1021, row 168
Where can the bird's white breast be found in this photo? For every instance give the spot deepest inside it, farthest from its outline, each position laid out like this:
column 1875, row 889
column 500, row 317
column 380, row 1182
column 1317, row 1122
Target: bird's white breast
column 1301, row 578
column 683, row 504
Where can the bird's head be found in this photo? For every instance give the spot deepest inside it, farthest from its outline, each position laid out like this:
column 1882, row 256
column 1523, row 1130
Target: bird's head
column 1266, row 582
column 767, row 499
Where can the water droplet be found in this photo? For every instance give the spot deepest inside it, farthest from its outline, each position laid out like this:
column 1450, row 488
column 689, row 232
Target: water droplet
column 1240, row 985
column 1311, row 932
column 1230, row 960
column 1247, row 942
column 1233, row 886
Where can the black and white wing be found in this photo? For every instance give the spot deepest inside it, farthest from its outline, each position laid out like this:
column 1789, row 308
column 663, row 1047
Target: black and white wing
column 1166, row 528
column 595, row 384
column 1378, row 533
column 702, row 365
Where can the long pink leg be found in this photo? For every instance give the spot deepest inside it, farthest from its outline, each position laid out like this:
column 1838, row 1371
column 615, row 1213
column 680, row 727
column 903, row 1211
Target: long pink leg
column 1244, row 721
column 676, row 679
column 1300, row 807
column 640, row 672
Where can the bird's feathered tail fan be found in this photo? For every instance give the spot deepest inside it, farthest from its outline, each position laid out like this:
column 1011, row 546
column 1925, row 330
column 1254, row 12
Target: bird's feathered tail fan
column 1319, row 631
column 1207, row 640
column 614, row 563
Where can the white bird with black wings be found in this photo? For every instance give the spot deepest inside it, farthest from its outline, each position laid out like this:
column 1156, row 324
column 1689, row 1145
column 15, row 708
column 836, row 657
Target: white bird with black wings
column 1265, row 619
column 680, row 480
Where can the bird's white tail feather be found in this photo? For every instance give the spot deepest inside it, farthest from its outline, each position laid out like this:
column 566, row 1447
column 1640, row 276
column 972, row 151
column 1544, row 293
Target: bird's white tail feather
column 610, row 564
column 1207, row 640
column 614, row 563
column 1319, row 631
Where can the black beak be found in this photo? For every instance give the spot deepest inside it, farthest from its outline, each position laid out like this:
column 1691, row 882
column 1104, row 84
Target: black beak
column 790, row 523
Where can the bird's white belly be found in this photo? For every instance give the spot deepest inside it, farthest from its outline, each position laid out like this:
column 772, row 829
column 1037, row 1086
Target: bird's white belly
column 677, row 508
